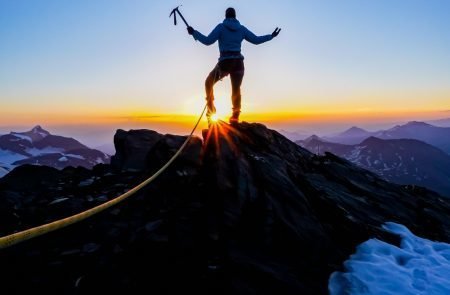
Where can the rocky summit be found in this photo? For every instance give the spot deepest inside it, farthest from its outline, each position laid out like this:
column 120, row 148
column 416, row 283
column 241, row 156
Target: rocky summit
column 243, row 211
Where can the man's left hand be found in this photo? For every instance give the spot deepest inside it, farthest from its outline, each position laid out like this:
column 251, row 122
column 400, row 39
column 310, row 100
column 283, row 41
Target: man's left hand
column 276, row 32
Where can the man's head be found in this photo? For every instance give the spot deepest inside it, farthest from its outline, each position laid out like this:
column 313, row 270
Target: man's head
column 230, row 13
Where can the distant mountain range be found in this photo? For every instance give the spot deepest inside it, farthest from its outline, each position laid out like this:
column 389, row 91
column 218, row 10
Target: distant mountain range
column 403, row 161
column 441, row 122
column 107, row 148
column 436, row 136
column 39, row 147
column 294, row 135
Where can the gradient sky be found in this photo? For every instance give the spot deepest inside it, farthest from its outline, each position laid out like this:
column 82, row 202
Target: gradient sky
column 107, row 61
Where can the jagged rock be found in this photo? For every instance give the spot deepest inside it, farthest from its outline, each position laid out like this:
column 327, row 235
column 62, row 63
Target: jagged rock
column 246, row 212
column 140, row 150
column 286, row 202
column 132, row 148
column 27, row 177
column 168, row 145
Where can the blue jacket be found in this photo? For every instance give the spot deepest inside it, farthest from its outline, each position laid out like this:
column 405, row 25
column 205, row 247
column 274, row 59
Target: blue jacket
column 230, row 34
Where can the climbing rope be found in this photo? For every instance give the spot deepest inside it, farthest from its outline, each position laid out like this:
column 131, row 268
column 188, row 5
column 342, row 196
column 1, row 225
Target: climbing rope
column 21, row 236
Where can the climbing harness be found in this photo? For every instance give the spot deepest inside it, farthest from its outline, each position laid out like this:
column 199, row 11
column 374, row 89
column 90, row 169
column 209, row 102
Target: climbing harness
column 21, row 236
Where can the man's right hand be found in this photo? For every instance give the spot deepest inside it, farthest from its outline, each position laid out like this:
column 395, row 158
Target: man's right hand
column 190, row 30
column 276, row 32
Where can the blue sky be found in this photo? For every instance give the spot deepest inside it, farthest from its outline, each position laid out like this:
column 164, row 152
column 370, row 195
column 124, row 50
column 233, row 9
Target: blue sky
column 79, row 58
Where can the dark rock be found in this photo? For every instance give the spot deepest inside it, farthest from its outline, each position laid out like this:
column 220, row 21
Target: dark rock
column 132, row 148
column 102, row 199
column 151, row 226
column 247, row 212
column 71, row 252
column 165, row 148
column 139, row 150
column 115, row 211
column 28, row 177
column 90, row 247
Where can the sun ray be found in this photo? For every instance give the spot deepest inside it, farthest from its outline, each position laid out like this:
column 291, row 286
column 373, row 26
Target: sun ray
column 214, row 118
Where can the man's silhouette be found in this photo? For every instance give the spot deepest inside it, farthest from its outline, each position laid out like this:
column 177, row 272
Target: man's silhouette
column 230, row 34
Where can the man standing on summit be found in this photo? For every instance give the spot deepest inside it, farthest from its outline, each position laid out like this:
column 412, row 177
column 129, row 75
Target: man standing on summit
column 230, row 34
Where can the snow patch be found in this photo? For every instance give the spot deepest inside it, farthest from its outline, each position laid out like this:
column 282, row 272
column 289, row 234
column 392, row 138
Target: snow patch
column 21, row 136
column 58, row 201
column 355, row 154
column 3, row 171
column 418, row 266
column 369, row 164
column 47, row 150
column 75, row 156
column 9, row 157
column 86, row 182
column 38, row 130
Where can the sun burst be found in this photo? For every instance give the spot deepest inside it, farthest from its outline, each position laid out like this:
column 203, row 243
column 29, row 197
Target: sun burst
column 214, row 118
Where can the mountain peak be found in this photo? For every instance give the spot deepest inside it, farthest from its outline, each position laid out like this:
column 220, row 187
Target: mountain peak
column 354, row 131
column 39, row 129
column 313, row 138
column 38, row 147
column 417, row 124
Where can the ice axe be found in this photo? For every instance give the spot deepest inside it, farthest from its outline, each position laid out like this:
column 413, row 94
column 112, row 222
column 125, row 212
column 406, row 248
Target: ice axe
column 174, row 13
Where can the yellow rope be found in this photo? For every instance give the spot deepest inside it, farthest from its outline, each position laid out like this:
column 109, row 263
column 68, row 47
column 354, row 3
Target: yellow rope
column 18, row 237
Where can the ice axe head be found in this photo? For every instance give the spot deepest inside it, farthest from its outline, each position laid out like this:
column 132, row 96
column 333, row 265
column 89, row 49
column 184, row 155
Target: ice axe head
column 174, row 13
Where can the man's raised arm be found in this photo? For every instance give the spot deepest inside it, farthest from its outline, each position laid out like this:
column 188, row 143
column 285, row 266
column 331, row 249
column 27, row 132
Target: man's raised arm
column 252, row 38
column 207, row 40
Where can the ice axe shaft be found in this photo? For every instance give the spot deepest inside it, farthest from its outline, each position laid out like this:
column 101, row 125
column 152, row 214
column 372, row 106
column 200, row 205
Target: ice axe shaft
column 174, row 13
column 182, row 17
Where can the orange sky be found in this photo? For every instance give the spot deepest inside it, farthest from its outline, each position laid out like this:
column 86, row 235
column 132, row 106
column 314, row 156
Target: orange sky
column 333, row 66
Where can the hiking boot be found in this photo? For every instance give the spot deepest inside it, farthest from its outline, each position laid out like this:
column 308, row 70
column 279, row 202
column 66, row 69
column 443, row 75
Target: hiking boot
column 234, row 119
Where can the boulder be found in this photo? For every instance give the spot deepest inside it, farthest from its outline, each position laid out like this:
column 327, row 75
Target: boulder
column 132, row 148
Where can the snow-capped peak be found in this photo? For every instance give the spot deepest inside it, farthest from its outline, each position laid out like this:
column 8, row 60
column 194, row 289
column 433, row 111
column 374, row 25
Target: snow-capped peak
column 34, row 135
column 39, row 130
